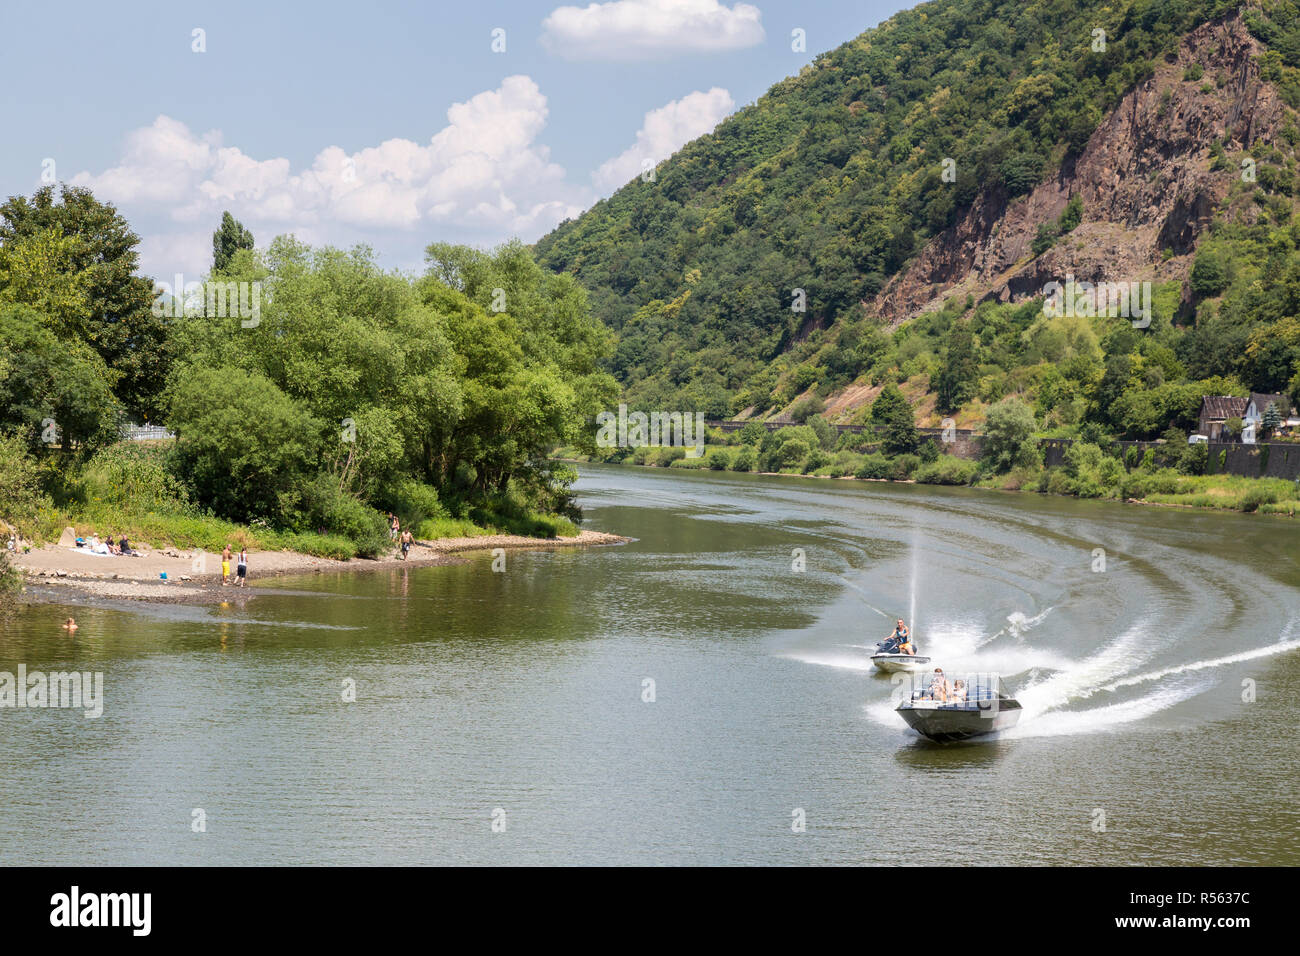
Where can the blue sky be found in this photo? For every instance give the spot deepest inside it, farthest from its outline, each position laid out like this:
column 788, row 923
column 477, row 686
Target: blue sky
column 394, row 124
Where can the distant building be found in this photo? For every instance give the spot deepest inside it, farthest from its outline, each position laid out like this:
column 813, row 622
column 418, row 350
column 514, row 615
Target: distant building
column 1258, row 405
column 1217, row 409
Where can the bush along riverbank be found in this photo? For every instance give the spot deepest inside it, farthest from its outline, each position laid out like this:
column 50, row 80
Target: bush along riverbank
column 1010, row 460
column 128, row 490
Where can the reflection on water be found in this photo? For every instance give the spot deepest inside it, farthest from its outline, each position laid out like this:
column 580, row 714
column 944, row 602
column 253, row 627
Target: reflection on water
column 1163, row 690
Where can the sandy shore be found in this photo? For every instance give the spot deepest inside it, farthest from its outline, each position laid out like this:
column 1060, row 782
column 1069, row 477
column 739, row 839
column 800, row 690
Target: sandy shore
column 65, row 574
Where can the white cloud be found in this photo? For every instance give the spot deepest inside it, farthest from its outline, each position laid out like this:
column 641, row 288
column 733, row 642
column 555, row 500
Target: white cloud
column 650, row 29
column 483, row 173
column 665, row 131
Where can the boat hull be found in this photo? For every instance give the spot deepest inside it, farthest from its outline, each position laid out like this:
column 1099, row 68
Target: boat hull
column 894, row 663
column 948, row 723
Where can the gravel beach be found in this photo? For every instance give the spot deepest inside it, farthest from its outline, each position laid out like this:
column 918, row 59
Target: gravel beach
column 55, row 573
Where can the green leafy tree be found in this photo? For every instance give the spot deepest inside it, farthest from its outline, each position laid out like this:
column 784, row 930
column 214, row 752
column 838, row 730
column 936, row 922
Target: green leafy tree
column 229, row 239
column 1209, row 275
column 54, row 394
column 243, row 445
column 1009, row 436
column 959, row 374
column 98, row 261
column 892, row 413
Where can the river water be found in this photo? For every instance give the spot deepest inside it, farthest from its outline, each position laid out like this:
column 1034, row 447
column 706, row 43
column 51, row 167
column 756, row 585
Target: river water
column 693, row 697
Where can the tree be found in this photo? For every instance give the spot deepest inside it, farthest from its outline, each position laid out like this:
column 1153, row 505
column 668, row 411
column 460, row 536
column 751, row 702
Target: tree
column 229, row 239
column 98, row 259
column 956, row 382
column 52, row 393
column 892, row 413
column 1209, row 275
column 242, row 444
column 1009, row 435
column 1272, row 419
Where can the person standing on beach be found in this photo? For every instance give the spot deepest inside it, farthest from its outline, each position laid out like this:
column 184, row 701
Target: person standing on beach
column 407, row 538
column 394, row 526
column 241, row 567
column 225, row 565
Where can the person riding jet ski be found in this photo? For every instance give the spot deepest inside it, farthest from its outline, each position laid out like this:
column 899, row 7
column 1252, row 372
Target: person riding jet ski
column 900, row 642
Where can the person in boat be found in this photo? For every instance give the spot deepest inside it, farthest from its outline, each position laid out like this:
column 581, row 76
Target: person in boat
column 939, row 689
column 958, row 694
column 900, row 642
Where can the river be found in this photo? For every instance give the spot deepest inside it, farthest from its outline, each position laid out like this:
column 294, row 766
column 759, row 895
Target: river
column 701, row 695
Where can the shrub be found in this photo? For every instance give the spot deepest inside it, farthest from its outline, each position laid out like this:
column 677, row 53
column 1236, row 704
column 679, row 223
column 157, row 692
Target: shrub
column 133, row 475
column 21, row 500
column 1058, row 482
column 665, row 456
column 874, row 465
column 745, row 459
column 11, row 584
column 322, row 545
column 793, row 452
column 817, row 460
column 413, row 502
column 1258, row 495
column 904, row 466
column 719, row 459
column 947, row 470
column 324, row 506
column 806, row 408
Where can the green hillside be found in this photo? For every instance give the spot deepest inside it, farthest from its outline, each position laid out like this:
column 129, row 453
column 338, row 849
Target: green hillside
column 831, row 183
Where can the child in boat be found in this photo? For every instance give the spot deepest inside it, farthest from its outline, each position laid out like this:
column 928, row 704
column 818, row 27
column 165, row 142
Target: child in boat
column 958, row 695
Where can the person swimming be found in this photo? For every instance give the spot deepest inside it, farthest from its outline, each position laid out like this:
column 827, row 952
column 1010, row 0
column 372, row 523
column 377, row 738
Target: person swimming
column 70, row 625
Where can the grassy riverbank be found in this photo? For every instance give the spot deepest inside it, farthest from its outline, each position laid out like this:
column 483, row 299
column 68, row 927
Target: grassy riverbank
column 185, row 529
column 128, row 489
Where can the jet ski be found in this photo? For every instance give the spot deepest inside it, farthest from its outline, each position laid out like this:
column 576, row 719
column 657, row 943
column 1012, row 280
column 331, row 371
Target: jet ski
column 980, row 706
column 889, row 659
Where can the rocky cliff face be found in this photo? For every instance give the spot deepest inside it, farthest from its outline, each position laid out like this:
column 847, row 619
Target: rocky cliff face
column 1144, row 178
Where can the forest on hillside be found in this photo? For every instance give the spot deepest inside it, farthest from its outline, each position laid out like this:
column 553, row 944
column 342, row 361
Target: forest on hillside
column 831, row 183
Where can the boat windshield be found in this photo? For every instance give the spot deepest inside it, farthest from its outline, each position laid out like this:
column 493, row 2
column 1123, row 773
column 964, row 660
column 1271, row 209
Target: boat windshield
column 955, row 688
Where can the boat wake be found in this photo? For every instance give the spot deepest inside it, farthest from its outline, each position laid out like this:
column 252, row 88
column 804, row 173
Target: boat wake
column 1052, row 686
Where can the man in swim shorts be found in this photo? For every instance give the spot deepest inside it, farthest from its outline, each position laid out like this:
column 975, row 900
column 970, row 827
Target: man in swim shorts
column 225, row 565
